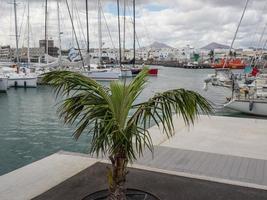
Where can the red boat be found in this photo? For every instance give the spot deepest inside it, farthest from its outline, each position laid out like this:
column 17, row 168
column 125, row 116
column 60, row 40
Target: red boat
column 151, row 72
column 231, row 64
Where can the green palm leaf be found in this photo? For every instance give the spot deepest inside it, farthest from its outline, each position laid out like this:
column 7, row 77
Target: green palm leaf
column 119, row 128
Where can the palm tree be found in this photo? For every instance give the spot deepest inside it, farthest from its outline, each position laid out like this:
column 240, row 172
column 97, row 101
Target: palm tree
column 118, row 126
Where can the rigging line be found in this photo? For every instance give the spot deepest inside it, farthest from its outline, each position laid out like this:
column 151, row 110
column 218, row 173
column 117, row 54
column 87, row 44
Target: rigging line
column 10, row 29
column 119, row 27
column 134, row 34
column 79, row 23
column 262, row 35
column 87, row 36
column 237, row 29
column 124, row 27
column 20, row 29
column 109, row 33
column 131, row 21
column 87, row 31
column 261, row 54
column 46, row 46
column 148, row 35
column 258, row 45
column 258, row 26
column 73, row 28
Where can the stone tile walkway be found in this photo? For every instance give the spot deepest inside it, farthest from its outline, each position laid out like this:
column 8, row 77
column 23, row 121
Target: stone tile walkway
column 234, row 168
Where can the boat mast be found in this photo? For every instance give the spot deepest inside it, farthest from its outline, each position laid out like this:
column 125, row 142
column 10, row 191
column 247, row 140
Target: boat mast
column 119, row 27
column 134, row 33
column 87, row 28
column 16, row 32
column 74, row 32
column 231, row 47
column 46, row 39
column 124, row 28
column 99, row 33
column 28, row 51
column 59, row 34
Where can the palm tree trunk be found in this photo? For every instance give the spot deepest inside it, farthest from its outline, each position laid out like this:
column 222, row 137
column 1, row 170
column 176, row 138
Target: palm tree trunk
column 118, row 177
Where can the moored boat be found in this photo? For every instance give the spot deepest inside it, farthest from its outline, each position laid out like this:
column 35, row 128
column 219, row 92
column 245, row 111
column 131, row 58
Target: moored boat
column 22, row 80
column 126, row 72
column 151, row 71
column 250, row 98
column 3, row 83
column 230, row 64
column 20, row 77
column 252, row 107
column 102, row 73
column 135, row 71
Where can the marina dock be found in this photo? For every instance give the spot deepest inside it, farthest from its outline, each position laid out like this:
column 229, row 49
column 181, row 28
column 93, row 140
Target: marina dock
column 220, row 149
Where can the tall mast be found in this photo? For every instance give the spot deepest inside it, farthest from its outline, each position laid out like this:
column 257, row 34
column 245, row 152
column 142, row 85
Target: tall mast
column 59, row 33
column 134, row 33
column 74, row 32
column 46, row 37
column 87, row 28
column 46, row 46
column 119, row 27
column 124, row 28
column 99, row 33
column 237, row 29
column 28, row 41
column 16, row 31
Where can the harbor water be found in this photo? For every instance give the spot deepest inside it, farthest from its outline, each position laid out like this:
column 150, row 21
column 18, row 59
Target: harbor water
column 30, row 128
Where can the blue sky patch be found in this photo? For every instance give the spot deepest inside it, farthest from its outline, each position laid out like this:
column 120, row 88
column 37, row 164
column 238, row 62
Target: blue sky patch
column 155, row 7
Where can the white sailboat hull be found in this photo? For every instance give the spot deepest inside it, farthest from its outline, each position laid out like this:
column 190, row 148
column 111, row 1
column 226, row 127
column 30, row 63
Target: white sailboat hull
column 3, row 84
column 103, row 75
column 26, row 82
column 253, row 107
column 126, row 73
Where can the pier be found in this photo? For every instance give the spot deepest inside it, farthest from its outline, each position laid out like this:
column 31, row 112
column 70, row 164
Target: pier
column 219, row 149
column 177, row 64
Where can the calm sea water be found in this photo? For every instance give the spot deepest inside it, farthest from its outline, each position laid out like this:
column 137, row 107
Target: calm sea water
column 30, row 128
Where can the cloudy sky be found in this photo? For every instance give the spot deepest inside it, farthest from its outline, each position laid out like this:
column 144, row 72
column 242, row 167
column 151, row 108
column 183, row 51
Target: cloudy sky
column 174, row 22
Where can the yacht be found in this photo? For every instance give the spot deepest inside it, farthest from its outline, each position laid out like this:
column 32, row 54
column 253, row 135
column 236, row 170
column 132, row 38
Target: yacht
column 250, row 99
column 20, row 77
column 102, row 73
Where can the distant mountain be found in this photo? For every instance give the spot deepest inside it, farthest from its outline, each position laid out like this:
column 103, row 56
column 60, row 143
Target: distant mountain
column 215, row 45
column 158, row 45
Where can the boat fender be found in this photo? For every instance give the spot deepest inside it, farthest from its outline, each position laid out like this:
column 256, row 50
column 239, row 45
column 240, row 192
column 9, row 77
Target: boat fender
column 25, row 84
column 251, row 103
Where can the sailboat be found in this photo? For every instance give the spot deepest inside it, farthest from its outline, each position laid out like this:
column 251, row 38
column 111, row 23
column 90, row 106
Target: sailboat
column 251, row 98
column 97, row 71
column 20, row 76
column 134, row 70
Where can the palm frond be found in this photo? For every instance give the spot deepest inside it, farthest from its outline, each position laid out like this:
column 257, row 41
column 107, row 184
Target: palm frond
column 104, row 112
column 161, row 108
column 65, row 81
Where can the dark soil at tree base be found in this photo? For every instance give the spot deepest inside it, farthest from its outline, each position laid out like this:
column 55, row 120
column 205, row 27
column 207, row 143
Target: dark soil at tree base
column 164, row 186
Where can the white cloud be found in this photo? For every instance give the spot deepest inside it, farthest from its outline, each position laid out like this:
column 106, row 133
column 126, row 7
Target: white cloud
column 179, row 22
